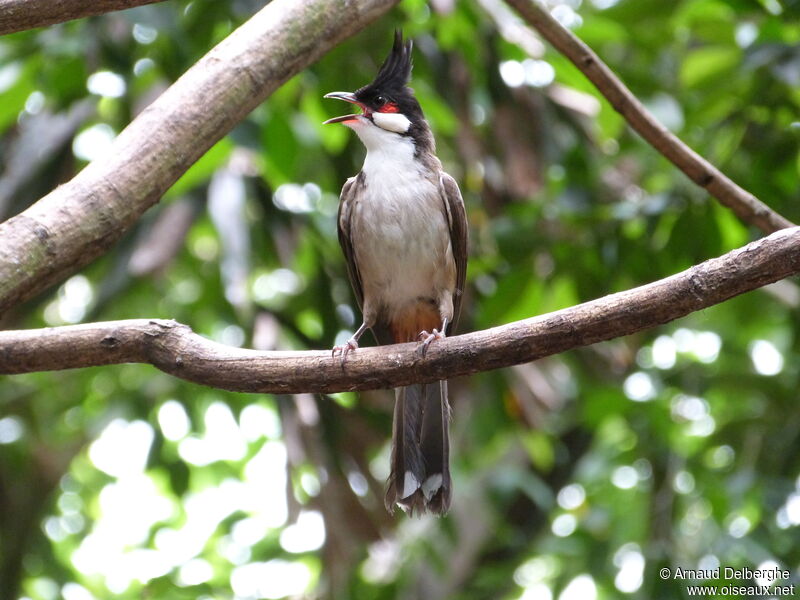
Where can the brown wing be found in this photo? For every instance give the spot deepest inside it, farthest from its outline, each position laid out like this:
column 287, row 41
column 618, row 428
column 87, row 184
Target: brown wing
column 346, row 204
column 381, row 331
column 457, row 220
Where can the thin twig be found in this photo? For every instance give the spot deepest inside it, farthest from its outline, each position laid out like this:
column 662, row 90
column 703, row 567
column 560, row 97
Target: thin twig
column 20, row 15
column 746, row 206
column 173, row 347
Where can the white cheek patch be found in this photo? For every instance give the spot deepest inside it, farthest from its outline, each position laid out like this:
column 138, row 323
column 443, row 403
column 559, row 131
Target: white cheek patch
column 391, row 122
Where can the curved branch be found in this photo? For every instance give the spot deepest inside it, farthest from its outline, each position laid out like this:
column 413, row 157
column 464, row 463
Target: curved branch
column 19, row 15
column 746, row 206
column 78, row 221
column 173, row 347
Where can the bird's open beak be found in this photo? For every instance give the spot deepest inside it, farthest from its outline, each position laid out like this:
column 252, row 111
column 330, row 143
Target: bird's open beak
column 347, row 97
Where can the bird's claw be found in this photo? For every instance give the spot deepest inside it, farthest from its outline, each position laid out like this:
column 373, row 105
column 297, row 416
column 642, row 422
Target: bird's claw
column 426, row 339
column 345, row 349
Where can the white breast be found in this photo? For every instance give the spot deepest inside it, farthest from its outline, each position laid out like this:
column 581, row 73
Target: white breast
column 403, row 251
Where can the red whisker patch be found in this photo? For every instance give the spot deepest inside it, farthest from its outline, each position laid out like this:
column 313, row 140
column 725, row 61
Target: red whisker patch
column 389, row 107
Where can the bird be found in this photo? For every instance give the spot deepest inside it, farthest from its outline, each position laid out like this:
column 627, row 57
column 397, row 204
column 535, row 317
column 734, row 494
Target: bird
column 402, row 227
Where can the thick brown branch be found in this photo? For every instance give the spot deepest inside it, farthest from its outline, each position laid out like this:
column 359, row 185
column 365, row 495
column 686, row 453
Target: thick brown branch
column 19, row 15
column 78, row 221
column 173, row 347
column 746, row 206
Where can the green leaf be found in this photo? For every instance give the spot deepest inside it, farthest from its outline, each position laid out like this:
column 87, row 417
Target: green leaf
column 201, row 171
column 16, row 84
column 707, row 65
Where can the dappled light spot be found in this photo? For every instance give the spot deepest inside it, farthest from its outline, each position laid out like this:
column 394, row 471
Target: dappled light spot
column 75, row 591
column 664, row 352
column 305, row 535
column 272, row 579
column 128, row 509
column 513, row 73
column 358, row 483
column 122, row 448
column 625, row 477
column 639, row 387
column 195, row 572
column 11, row 429
column 630, row 562
column 738, row 526
column 767, row 359
column 683, row 482
column 789, row 514
column 222, row 439
column 173, row 420
column 73, row 300
column 93, row 142
column 297, row 198
column 534, row 570
column 382, row 561
column 582, row 587
column 708, row 562
column 537, row 591
column 142, row 66
column 35, row 103
column 257, row 421
column 532, row 72
column 280, row 282
column 720, row 457
column 144, row 34
column 696, row 412
column 106, row 84
column 564, row 525
column 571, row 496
column 566, row 15
column 763, row 569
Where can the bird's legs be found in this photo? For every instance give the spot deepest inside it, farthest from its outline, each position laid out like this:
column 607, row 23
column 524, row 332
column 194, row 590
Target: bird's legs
column 351, row 344
column 426, row 338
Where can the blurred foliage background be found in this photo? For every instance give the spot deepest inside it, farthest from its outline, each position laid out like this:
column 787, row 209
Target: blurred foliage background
column 576, row 477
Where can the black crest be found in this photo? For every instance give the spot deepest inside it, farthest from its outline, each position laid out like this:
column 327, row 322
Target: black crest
column 396, row 69
column 390, row 85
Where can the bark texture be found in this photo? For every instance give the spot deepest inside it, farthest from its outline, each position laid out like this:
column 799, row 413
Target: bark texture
column 19, row 15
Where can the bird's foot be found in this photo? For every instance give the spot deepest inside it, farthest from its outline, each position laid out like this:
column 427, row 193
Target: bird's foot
column 345, row 349
column 427, row 338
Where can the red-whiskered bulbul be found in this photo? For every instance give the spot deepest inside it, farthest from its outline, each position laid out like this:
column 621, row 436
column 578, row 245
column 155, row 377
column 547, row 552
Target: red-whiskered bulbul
column 403, row 230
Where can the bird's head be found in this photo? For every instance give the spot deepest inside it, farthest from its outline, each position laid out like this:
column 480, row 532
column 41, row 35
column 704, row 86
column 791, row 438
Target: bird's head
column 388, row 106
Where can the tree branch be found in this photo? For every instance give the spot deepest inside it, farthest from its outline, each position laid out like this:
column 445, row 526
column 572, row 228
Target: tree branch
column 19, row 15
column 746, row 206
column 78, row 221
column 173, row 347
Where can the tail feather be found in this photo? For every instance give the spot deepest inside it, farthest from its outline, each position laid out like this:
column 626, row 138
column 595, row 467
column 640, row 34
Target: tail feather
column 420, row 471
column 435, row 446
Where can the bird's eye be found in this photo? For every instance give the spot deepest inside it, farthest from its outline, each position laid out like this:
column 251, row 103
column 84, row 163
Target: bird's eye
column 380, row 101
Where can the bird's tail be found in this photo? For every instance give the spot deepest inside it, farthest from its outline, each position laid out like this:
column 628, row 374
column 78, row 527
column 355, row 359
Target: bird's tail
column 420, row 469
